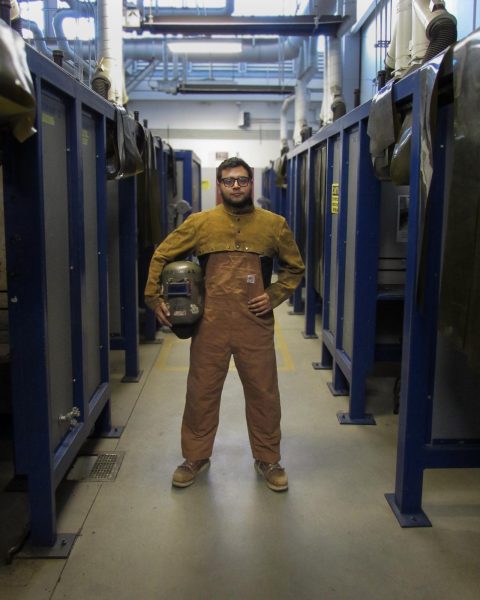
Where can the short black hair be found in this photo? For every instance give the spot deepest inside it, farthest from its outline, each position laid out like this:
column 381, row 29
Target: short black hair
column 231, row 163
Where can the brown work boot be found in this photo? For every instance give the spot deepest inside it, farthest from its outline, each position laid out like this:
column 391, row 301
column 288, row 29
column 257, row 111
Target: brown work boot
column 186, row 473
column 274, row 475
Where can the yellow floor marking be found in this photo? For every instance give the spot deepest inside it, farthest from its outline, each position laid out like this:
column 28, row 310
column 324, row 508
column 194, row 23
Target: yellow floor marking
column 170, row 340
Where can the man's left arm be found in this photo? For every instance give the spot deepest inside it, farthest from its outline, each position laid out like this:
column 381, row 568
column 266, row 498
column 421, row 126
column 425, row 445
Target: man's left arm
column 290, row 267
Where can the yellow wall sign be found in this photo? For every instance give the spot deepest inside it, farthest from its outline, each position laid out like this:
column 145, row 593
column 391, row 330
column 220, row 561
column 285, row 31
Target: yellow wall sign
column 335, row 198
column 48, row 119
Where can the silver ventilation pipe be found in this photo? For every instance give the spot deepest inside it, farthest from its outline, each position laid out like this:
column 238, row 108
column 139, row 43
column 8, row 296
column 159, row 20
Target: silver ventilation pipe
column 38, row 37
column 81, row 10
column 261, row 52
column 167, row 11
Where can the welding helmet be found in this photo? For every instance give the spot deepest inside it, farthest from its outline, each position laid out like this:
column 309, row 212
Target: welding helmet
column 183, row 292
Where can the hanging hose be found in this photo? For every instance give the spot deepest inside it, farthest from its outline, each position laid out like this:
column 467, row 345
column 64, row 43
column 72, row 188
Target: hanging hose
column 338, row 108
column 101, row 85
column 442, row 33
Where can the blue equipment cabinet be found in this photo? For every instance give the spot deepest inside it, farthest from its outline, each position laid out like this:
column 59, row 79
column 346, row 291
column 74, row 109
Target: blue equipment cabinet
column 55, row 221
column 276, row 193
column 188, row 180
column 439, row 425
column 340, row 201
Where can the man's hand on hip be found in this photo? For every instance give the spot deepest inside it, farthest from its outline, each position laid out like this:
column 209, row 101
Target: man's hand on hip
column 260, row 305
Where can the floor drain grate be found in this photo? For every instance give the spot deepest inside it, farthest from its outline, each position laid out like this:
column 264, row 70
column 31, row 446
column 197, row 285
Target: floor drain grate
column 98, row 467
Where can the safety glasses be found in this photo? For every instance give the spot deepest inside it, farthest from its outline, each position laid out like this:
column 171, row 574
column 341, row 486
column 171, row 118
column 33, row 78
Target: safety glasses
column 230, row 181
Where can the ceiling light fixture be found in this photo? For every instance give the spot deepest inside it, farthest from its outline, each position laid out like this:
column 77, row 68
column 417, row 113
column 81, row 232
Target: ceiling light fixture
column 204, row 47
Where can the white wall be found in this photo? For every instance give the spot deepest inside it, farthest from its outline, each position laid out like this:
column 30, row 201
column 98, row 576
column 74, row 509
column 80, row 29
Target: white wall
column 208, row 127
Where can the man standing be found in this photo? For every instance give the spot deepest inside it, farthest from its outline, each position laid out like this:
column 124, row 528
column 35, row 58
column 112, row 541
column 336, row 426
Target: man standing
column 236, row 244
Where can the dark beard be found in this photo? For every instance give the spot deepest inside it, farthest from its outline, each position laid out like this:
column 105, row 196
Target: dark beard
column 248, row 202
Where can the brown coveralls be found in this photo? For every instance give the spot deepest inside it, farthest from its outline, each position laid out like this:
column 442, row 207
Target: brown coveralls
column 234, row 240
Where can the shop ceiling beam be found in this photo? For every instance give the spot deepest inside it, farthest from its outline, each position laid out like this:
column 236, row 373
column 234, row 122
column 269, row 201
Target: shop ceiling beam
column 225, row 25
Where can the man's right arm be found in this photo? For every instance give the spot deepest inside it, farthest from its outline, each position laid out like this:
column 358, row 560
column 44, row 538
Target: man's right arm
column 179, row 243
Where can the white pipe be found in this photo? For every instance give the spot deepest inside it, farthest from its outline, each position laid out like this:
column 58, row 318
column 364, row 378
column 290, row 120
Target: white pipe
column 390, row 57
column 14, row 10
column 419, row 27
column 110, row 48
column 326, row 100
column 302, row 96
column 403, row 37
column 283, row 121
column 334, row 66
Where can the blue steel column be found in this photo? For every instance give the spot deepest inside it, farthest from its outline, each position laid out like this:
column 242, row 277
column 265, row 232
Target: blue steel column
column 77, row 251
column 414, row 396
column 310, row 294
column 128, row 276
column 103, row 424
column 290, row 197
column 365, row 283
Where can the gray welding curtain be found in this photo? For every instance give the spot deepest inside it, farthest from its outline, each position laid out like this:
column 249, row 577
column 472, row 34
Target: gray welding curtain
column 459, row 313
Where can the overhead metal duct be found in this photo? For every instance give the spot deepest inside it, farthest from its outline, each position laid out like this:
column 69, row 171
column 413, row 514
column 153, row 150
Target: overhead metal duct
column 156, row 11
column 305, row 25
column 264, row 51
column 79, row 9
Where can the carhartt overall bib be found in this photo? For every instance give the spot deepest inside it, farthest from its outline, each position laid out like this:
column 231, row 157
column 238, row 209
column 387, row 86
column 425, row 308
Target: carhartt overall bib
column 229, row 328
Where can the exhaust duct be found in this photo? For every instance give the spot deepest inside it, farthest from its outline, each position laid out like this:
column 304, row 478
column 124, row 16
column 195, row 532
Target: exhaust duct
column 108, row 79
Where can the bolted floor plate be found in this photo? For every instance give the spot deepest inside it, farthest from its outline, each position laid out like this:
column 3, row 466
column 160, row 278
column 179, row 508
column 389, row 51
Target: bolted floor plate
column 61, row 548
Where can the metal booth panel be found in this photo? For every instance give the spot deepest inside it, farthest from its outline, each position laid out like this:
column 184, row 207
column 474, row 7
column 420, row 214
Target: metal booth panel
column 91, row 315
column 57, row 261
column 332, row 315
column 302, row 209
column 320, row 167
column 392, row 256
column 456, row 410
column 351, row 227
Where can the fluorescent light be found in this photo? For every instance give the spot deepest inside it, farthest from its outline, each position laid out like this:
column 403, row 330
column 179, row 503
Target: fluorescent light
column 205, row 47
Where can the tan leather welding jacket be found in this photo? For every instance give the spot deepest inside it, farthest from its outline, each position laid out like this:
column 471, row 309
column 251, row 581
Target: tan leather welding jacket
column 225, row 229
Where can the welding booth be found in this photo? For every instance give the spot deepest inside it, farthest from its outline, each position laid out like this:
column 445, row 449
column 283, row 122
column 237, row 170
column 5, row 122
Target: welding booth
column 384, row 204
column 85, row 189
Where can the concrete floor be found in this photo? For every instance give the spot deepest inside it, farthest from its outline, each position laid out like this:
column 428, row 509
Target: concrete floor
column 332, row 535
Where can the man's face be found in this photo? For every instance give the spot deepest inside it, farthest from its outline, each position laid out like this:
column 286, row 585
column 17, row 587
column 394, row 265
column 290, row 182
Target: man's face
column 236, row 194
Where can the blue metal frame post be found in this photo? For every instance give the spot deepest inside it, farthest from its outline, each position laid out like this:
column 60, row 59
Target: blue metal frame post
column 340, row 384
column 310, row 294
column 365, row 284
column 416, row 450
column 326, row 361
column 128, row 277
